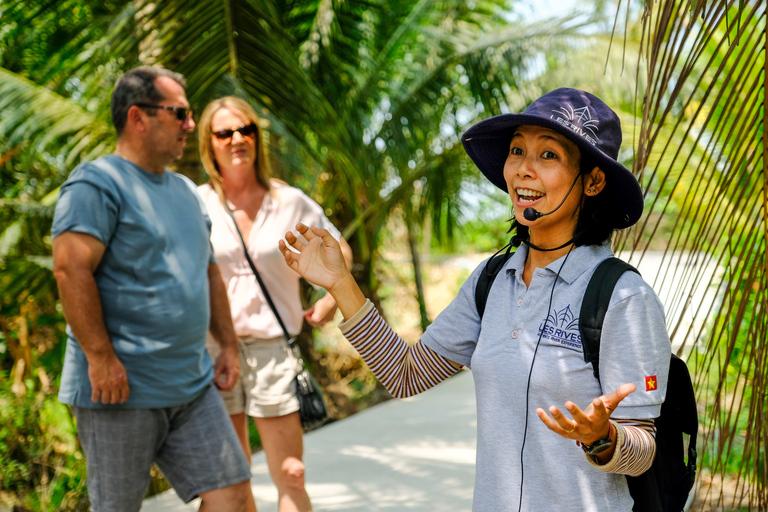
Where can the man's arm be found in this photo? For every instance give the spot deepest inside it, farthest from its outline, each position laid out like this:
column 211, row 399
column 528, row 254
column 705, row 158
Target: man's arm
column 324, row 309
column 75, row 258
column 227, row 369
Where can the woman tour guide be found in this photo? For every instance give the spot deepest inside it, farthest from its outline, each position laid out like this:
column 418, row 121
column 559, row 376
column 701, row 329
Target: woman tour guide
column 550, row 436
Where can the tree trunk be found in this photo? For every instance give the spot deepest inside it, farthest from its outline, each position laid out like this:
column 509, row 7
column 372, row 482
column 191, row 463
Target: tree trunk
column 412, row 245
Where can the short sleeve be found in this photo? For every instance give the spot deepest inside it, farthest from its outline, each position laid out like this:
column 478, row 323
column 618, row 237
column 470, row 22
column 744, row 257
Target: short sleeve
column 312, row 214
column 86, row 205
column 197, row 193
column 635, row 348
column 455, row 331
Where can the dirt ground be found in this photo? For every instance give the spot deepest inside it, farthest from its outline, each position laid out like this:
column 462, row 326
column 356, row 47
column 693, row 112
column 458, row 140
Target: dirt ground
column 713, row 493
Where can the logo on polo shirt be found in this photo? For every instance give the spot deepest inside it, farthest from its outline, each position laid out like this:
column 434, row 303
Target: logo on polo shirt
column 578, row 120
column 651, row 383
column 562, row 328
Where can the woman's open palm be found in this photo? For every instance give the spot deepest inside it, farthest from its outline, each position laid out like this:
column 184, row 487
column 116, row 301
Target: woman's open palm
column 319, row 260
column 590, row 424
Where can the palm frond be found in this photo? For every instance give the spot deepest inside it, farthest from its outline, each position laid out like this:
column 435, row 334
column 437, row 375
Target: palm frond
column 703, row 160
column 34, row 113
column 210, row 40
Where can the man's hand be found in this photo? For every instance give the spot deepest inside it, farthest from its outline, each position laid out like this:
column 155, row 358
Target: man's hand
column 109, row 381
column 227, row 368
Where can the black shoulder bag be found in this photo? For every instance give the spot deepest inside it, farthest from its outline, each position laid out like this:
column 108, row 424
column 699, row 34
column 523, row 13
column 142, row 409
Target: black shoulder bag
column 312, row 409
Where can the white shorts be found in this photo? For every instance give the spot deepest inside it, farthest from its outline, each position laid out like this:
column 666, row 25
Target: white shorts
column 266, row 387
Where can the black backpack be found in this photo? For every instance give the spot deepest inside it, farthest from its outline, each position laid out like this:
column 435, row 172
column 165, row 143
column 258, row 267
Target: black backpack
column 666, row 485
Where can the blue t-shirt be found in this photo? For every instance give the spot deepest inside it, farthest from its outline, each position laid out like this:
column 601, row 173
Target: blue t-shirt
column 152, row 280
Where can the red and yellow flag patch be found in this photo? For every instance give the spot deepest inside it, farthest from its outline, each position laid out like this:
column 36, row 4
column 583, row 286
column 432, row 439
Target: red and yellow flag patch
column 651, row 383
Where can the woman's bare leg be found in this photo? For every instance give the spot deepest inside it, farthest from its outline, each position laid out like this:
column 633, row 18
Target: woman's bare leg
column 281, row 438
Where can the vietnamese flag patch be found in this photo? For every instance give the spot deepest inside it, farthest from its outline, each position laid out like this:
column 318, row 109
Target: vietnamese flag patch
column 651, row 383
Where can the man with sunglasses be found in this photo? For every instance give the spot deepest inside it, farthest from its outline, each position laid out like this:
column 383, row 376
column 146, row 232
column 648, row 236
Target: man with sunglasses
column 140, row 288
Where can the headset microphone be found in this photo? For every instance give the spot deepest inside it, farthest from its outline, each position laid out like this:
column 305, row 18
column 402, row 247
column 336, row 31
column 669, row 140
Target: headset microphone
column 532, row 214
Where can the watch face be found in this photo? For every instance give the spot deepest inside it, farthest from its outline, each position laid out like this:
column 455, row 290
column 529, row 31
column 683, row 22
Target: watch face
column 598, row 446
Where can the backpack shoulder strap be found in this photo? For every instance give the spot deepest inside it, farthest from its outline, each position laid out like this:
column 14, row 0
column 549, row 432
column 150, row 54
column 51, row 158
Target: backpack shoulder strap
column 483, row 287
column 595, row 305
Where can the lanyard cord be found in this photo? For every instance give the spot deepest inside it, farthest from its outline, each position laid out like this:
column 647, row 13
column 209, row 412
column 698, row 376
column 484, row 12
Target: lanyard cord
column 530, row 373
column 288, row 338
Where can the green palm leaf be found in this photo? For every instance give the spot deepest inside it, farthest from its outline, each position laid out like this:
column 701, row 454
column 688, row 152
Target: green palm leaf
column 703, row 159
column 34, row 113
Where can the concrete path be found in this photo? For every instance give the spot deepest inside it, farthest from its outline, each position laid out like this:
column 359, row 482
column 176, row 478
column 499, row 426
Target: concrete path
column 416, row 454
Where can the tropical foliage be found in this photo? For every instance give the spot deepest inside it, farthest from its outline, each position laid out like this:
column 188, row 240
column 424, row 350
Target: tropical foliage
column 364, row 101
column 702, row 156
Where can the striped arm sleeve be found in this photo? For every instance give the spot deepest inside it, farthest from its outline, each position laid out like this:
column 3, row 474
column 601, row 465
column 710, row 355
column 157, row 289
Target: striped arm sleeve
column 404, row 370
column 635, row 448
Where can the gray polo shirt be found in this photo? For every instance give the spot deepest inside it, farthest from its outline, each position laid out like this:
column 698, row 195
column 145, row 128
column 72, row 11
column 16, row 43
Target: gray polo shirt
column 500, row 351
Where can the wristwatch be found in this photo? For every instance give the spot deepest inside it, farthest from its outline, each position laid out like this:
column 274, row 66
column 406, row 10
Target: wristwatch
column 600, row 445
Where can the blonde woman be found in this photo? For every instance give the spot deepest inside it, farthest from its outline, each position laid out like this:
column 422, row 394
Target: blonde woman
column 234, row 157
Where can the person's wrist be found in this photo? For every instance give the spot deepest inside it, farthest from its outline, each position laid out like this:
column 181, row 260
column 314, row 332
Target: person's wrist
column 326, row 303
column 349, row 298
column 601, row 444
column 229, row 343
column 342, row 286
column 99, row 354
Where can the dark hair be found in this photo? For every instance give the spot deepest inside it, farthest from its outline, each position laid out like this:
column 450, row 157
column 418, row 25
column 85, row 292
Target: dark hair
column 138, row 86
column 593, row 226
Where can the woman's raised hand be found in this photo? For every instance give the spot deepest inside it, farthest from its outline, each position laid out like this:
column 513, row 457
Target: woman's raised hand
column 319, row 260
column 589, row 425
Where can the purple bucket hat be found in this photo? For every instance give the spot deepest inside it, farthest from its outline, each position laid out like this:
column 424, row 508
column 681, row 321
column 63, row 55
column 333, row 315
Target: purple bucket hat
column 581, row 117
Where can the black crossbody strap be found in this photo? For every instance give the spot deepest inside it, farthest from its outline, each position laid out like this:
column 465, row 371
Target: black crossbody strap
column 595, row 305
column 288, row 337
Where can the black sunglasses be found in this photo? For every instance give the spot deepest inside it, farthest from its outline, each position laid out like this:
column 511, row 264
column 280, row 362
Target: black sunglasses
column 182, row 113
column 247, row 130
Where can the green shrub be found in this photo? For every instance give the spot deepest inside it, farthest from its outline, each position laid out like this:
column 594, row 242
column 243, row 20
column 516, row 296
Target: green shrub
column 41, row 465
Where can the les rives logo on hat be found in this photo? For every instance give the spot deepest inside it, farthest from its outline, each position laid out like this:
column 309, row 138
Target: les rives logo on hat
column 579, row 120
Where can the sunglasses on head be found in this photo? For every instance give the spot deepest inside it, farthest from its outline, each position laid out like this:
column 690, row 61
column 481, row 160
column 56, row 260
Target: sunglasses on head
column 247, row 130
column 182, row 113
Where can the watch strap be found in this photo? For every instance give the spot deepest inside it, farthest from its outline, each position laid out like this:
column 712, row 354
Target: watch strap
column 600, row 445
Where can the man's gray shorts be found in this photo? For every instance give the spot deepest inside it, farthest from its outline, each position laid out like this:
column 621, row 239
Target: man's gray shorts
column 194, row 445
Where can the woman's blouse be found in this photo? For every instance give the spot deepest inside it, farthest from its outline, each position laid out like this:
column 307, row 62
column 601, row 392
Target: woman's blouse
column 283, row 207
column 500, row 350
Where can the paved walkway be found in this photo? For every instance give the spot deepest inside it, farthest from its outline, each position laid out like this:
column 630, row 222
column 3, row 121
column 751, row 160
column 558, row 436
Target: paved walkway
column 416, row 454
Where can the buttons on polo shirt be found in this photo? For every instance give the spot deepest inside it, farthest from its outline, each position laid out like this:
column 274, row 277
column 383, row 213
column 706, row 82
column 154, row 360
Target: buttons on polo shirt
column 514, row 334
column 519, row 302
